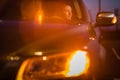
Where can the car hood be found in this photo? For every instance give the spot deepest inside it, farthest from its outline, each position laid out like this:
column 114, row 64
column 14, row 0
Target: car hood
column 43, row 36
column 55, row 36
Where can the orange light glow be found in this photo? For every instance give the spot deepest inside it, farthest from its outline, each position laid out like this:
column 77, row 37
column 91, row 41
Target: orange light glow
column 38, row 53
column 39, row 18
column 114, row 20
column 92, row 38
column 78, row 64
column 44, row 58
column 21, row 71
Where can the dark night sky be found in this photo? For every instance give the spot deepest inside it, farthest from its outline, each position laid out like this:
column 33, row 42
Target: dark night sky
column 106, row 4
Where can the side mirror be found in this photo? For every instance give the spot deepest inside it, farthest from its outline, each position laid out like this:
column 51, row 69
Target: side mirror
column 106, row 19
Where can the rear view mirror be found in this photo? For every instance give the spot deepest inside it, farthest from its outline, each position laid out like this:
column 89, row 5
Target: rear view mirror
column 106, row 19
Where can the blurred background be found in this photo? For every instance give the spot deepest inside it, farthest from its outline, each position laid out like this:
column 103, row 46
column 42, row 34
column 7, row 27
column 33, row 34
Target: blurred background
column 106, row 5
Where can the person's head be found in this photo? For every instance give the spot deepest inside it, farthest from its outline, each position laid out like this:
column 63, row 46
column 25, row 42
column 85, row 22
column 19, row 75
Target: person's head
column 68, row 12
column 58, row 9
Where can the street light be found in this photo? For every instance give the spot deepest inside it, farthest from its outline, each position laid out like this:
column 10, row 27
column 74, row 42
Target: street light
column 99, row 6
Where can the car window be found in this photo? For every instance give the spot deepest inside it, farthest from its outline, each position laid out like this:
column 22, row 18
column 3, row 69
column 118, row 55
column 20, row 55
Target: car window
column 40, row 10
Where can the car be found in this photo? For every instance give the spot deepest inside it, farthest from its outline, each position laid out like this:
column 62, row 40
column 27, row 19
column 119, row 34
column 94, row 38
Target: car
column 51, row 40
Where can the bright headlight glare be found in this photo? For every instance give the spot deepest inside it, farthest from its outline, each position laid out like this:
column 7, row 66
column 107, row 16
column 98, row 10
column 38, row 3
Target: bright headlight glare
column 77, row 64
column 61, row 65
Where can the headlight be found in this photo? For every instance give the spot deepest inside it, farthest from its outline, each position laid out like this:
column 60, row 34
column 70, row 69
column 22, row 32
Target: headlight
column 61, row 65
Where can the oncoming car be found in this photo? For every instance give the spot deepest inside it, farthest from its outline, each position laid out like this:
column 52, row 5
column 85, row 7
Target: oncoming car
column 50, row 40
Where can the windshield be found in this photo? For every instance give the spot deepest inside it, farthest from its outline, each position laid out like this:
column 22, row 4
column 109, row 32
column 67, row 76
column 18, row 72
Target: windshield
column 42, row 11
column 18, row 20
